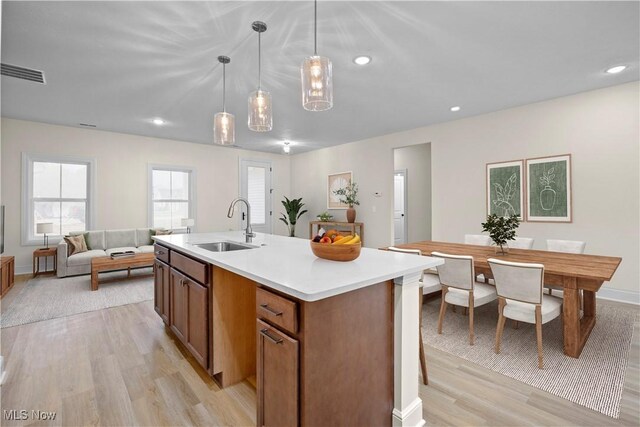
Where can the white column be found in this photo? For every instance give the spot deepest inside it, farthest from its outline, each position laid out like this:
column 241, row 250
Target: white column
column 407, row 405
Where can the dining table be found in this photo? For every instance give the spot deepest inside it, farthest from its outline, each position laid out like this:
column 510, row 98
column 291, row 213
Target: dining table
column 579, row 276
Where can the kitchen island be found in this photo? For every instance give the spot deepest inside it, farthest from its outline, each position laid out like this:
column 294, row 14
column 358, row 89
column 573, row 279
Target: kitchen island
column 329, row 343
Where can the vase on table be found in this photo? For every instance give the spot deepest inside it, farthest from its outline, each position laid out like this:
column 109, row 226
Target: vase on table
column 502, row 249
column 351, row 215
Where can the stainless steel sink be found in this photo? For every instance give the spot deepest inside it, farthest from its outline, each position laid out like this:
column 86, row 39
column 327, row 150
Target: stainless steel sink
column 223, row 246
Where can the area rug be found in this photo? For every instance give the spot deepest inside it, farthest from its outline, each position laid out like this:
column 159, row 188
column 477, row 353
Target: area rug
column 595, row 380
column 49, row 297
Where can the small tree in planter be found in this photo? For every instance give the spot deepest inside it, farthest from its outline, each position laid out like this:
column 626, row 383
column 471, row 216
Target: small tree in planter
column 501, row 229
column 293, row 214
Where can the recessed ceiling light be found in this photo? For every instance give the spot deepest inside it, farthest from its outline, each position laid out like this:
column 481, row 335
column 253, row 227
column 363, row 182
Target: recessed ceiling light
column 454, row 109
column 617, row 69
column 362, row 60
column 157, row 122
column 287, row 147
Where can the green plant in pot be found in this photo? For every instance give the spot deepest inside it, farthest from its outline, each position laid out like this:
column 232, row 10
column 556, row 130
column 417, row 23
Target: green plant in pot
column 325, row 217
column 349, row 196
column 501, row 229
column 293, row 208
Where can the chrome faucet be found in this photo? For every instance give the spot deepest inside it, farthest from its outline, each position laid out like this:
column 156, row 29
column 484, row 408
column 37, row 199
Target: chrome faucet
column 248, row 232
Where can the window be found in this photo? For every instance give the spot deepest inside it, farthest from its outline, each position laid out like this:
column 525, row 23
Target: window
column 255, row 186
column 171, row 196
column 56, row 190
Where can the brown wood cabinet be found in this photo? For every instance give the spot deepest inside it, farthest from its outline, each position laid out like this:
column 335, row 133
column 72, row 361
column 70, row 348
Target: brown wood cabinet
column 7, row 274
column 179, row 305
column 197, row 322
column 277, row 376
column 161, row 295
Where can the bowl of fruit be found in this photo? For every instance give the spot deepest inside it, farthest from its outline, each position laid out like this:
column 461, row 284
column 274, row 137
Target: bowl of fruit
column 336, row 247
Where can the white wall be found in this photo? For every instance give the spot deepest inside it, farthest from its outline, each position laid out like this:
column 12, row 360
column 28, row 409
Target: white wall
column 416, row 160
column 599, row 128
column 122, row 174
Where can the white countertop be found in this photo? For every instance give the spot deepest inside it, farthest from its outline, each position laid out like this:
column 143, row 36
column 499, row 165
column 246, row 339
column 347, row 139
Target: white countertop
column 288, row 265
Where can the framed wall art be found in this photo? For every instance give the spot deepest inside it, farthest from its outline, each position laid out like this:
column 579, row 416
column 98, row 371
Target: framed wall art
column 335, row 182
column 505, row 188
column 549, row 189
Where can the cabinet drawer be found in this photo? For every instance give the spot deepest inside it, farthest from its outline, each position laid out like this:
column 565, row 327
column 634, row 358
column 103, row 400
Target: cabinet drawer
column 277, row 310
column 161, row 253
column 192, row 268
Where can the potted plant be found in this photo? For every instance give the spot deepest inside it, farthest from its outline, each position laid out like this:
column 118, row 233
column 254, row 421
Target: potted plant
column 349, row 196
column 501, row 229
column 325, row 217
column 292, row 207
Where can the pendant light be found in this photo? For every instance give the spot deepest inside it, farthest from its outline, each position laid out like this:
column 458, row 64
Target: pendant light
column 316, row 73
column 260, row 114
column 224, row 124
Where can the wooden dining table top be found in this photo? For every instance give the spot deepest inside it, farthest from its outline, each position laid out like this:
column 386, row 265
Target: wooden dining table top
column 594, row 267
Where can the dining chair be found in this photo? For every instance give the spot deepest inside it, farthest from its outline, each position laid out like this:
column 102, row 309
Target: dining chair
column 459, row 287
column 521, row 243
column 477, row 239
column 566, row 246
column 519, row 287
column 429, row 283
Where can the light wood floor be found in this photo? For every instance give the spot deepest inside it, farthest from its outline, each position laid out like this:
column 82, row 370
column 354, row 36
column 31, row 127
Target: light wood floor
column 120, row 367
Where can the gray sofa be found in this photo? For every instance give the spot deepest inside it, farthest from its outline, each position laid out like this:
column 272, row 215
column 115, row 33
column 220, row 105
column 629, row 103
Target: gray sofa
column 102, row 243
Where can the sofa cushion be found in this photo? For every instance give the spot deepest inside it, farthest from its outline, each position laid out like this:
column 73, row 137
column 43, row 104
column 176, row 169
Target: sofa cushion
column 94, row 239
column 143, row 236
column 146, row 249
column 122, row 249
column 76, row 244
column 85, row 257
column 120, row 238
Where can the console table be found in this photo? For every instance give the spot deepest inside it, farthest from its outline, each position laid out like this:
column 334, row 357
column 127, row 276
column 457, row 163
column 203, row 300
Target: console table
column 338, row 225
column 7, row 274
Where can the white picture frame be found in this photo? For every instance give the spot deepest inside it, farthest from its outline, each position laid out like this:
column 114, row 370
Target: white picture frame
column 335, row 181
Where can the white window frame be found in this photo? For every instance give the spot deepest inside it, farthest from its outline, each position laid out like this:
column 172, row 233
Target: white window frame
column 27, row 226
column 192, row 192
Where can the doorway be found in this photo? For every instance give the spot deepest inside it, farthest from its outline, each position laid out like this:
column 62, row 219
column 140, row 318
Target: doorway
column 412, row 194
column 400, row 217
column 255, row 186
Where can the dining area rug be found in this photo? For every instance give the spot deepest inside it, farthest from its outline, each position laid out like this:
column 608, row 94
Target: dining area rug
column 595, row 380
column 47, row 297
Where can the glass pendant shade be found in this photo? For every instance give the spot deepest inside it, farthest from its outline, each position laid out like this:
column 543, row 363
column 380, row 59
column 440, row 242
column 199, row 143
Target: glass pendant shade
column 260, row 114
column 317, row 83
column 224, row 129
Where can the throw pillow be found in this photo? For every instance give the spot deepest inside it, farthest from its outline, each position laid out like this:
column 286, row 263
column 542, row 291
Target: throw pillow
column 76, row 244
column 161, row 232
column 86, row 240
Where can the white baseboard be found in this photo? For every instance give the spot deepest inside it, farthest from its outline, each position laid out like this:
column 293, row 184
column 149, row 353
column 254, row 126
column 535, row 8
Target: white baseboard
column 24, row 269
column 630, row 297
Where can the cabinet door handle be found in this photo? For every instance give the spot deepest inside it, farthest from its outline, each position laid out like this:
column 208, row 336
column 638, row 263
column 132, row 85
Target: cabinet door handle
column 265, row 333
column 270, row 310
column 160, row 253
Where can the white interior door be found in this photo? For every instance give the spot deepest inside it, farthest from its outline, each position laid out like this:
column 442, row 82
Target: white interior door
column 255, row 186
column 399, row 207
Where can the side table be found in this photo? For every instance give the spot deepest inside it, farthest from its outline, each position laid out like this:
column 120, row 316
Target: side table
column 44, row 253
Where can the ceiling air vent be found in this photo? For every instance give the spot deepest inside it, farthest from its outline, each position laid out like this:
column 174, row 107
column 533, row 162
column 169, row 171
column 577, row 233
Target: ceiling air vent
column 23, row 73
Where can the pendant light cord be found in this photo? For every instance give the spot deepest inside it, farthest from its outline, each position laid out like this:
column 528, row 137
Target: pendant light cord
column 259, row 61
column 315, row 27
column 224, row 87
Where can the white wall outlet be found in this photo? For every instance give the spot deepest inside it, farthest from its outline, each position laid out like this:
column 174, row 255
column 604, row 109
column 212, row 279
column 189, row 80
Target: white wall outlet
column 374, row 209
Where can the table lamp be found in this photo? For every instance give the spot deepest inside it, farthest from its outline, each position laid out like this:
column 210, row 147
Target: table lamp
column 45, row 228
column 188, row 222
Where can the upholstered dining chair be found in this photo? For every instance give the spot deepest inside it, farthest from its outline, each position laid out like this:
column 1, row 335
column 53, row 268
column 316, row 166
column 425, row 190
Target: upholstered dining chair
column 429, row 283
column 566, row 246
column 519, row 287
column 477, row 239
column 521, row 243
column 459, row 287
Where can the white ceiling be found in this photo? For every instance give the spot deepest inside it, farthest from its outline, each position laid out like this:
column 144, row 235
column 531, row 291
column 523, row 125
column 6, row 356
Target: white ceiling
column 120, row 64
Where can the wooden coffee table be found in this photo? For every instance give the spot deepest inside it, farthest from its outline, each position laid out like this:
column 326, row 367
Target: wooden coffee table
column 102, row 264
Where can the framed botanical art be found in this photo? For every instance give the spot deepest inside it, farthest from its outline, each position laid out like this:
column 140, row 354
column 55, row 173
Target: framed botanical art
column 335, row 182
column 549, row 189
column 505, row 188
